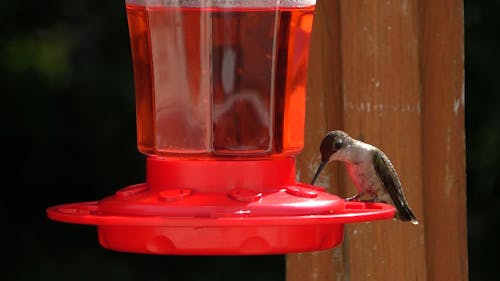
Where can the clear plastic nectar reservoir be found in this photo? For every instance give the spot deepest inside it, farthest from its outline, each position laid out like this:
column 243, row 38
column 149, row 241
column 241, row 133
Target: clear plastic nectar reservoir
column 219, row 82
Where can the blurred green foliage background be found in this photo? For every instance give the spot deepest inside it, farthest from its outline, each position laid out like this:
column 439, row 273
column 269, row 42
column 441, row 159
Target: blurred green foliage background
column 482, row 88
column 68, row 124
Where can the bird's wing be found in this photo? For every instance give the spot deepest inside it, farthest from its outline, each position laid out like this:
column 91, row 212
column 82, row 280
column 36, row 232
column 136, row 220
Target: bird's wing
column 387, row 174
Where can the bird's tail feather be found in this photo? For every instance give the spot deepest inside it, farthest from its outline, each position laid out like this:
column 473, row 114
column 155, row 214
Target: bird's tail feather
column 405, row 214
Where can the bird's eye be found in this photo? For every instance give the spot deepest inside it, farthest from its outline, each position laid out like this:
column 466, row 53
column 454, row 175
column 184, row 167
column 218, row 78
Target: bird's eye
column 338, row 144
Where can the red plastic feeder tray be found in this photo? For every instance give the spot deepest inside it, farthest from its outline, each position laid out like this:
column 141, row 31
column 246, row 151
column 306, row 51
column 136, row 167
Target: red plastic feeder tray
column 177, row 212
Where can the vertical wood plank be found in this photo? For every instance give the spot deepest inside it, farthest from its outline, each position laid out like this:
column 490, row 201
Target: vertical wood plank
column 442, row 64
column 323, row 113
column 382, row 106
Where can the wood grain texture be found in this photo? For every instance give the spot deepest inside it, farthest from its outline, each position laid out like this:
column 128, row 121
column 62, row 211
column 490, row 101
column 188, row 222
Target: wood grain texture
column 442, row 64
column 381, row 98
column 391, row 74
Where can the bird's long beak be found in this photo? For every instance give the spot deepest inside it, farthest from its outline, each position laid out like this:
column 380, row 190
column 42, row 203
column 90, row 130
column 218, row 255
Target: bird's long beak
column 318, row 171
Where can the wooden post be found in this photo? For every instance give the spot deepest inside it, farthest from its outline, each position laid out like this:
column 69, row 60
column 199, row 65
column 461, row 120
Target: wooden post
column 442, row 62
column 391, row 73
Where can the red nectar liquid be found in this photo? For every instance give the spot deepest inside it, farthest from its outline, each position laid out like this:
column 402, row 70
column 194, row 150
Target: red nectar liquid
column 217, row 83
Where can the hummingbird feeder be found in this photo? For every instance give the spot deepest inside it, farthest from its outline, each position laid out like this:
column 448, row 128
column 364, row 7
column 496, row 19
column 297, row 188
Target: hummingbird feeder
column 220, row 91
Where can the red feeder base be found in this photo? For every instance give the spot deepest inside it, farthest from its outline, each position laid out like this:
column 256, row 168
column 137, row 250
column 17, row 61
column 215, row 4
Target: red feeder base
column 220, row 208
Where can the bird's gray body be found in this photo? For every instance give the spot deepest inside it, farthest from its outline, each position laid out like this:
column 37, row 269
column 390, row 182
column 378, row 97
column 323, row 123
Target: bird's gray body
column 358, row 159
column 370, row 170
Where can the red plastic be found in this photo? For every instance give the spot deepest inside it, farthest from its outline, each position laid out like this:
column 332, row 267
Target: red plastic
column 220, row 208
column 230, row 200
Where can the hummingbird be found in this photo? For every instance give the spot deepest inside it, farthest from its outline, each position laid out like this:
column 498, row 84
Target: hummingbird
column 369, row 169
